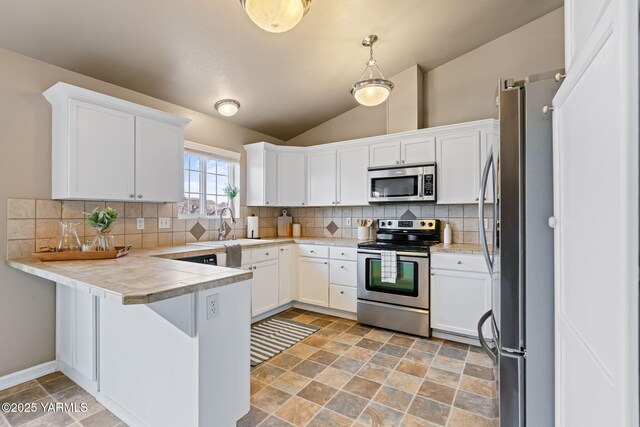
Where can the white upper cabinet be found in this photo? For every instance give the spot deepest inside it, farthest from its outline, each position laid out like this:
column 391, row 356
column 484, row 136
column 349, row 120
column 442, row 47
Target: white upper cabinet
column 418, row 150
column 352, row 176
column 384, row 154
column 104, row 148
column 458, row 166
column 321, row 176
column 292, row 178
column 100, row 144
column 158, row 160
column 262, row 176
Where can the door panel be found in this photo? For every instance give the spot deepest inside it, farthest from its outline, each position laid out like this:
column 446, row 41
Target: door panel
column 353, row 187
column 264, row 287
column 321, row 177
column 313, row 281
column 418, row 150
column 384, row 154
column 292, row 178
column 458, row 158
column 596, row 153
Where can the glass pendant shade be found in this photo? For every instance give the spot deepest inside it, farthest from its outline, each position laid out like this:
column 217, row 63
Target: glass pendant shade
column 373, row 90
column 276, row 16
column 227, row 107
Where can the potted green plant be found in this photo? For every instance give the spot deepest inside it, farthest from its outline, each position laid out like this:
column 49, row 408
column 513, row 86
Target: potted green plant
column 102, row 220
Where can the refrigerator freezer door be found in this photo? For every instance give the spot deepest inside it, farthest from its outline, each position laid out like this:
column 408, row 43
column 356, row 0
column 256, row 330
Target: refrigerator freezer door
column 511, row 327
column 512, row 394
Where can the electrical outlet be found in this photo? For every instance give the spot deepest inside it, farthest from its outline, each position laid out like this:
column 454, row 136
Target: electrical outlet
column 140, row 223
column 213, row 306
column 347, row 222
column 164, row 222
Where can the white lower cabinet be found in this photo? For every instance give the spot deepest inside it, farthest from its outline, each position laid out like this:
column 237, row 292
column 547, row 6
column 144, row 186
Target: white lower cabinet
column 76, row 334
column 285, row 273
column 459, row 297
column 313, row 281
column 264, row 287
column 343, row 298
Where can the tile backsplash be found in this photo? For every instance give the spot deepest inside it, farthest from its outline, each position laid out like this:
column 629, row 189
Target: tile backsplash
column 32, row 223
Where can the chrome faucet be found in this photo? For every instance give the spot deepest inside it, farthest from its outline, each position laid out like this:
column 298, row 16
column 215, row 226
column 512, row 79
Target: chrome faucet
column 221, row 230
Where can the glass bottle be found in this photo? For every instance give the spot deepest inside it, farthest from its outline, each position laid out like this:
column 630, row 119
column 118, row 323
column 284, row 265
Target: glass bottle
column 69, row 241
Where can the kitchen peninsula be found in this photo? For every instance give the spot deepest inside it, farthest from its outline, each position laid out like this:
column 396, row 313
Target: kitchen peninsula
column 136, row 333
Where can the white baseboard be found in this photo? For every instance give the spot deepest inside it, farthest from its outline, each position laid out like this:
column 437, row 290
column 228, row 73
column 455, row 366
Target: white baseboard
column 325, row 310
column 27, row 374
column 270, row 313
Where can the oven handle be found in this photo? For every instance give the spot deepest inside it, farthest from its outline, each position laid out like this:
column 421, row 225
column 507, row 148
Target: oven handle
column 405, row 254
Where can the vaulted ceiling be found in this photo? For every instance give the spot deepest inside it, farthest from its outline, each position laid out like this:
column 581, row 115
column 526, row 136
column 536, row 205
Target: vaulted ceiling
column 195, row 52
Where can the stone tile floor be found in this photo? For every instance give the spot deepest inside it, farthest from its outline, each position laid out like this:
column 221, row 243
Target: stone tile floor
column 54, row 388
column 348, row 374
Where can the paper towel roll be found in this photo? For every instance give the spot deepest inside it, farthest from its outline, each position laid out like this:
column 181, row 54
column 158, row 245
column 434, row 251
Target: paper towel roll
column 297, row 230
column 253, row 227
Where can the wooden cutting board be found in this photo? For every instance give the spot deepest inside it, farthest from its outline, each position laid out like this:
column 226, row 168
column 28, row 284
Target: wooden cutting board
column 283, row 224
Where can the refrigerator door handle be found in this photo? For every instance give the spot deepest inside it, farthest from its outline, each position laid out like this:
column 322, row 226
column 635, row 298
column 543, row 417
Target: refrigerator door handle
column 483, row 188
column 492, row 352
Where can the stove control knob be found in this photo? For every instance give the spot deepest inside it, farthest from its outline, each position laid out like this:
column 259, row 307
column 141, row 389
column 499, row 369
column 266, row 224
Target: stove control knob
column 422, row 223
column 430, row 224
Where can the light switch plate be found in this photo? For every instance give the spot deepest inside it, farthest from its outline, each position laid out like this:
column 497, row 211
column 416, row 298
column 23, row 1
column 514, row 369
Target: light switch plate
column 140, row 223
column 164, row 222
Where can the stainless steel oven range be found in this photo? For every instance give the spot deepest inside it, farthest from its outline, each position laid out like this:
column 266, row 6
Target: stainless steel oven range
column 404, row 305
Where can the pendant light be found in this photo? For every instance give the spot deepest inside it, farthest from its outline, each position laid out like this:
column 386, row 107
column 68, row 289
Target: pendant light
column 276, row 16
column 227, row 107
column 371, row 90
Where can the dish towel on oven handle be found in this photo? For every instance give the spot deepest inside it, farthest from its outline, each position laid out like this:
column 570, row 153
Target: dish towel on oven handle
column 389, row 266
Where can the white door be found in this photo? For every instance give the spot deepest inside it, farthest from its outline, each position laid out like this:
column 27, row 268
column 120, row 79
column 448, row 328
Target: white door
column 321, row 178
column 313, row 281
column 264, row 287
column 292, row 179
column 353, row 188
column 384, row 154
column 285, row 266
column 488, row 140
column 101, row 152
column 596, row 182
column 270, row 178
column 418, row 150
column 159, row 152
column 458, row 300
column 458, row 158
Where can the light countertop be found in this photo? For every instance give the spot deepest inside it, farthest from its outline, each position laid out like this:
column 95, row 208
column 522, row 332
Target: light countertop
column 467, row 248
column 149, row 275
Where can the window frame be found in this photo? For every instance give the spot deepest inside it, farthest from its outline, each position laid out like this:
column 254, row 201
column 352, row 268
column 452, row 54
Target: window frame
column 219, row 154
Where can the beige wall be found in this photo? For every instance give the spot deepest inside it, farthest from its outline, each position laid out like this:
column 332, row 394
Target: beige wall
column 27, row 305
column 460, row 90
column 464, row 89
column 405, row 105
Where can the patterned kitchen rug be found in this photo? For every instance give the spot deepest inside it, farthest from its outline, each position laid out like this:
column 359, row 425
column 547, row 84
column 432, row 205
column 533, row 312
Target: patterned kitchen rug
column 271, row 337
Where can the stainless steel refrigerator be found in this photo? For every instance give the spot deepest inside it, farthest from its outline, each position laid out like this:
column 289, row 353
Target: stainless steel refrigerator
column 520, row 255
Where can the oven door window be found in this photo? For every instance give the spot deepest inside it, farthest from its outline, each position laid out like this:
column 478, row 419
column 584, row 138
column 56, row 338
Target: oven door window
column 405, row 186
column 406, row 281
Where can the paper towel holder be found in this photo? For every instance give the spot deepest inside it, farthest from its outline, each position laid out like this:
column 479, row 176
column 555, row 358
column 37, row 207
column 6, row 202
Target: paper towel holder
column 251, row 236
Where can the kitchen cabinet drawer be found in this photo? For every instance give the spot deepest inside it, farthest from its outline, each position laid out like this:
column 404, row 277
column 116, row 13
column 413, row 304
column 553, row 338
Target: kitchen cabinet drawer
column 458, row 262
column 264, row 254
column 343, row 298
column 343, row 273
column 313, row 251
column 346, row 254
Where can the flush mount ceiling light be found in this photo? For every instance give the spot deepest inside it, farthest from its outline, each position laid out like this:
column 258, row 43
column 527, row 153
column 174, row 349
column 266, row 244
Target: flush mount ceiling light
column 276, row 16
column 372, row 90
column 227, row 107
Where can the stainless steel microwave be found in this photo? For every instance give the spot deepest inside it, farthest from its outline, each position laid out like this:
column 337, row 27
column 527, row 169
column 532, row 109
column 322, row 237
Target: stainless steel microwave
column 406, row 183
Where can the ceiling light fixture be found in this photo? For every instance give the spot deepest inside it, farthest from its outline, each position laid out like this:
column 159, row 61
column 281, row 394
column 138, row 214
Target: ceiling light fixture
column 227, row 107
column 372, row 90
column 276, row 16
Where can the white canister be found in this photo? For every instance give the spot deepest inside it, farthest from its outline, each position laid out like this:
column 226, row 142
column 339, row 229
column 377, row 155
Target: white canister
column 447, row 234
column 363, row 233
column 297, row 230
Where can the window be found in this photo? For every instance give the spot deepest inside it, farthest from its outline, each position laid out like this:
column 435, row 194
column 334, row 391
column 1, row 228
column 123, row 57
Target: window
column 207, row 172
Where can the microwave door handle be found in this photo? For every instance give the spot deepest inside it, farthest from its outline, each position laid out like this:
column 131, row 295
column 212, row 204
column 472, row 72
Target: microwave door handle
column 421, row 185
column 483, row 188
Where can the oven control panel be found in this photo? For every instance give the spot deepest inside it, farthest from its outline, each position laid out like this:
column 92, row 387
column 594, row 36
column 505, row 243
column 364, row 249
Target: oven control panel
column 408, row 224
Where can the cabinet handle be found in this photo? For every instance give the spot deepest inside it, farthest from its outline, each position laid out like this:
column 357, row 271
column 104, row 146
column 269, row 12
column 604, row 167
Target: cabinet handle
column 312, row 252
column 132, row 196
column 266, row 254
column 342, row 254
column 254, row 267
column 326, row 263
column 342, row 292
column 397, row 162
column 281, row 249
column 403, row 161
column 433, row 274
column 459, row 262
column 342, row 266
column 266, row 203
column 139, row 196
